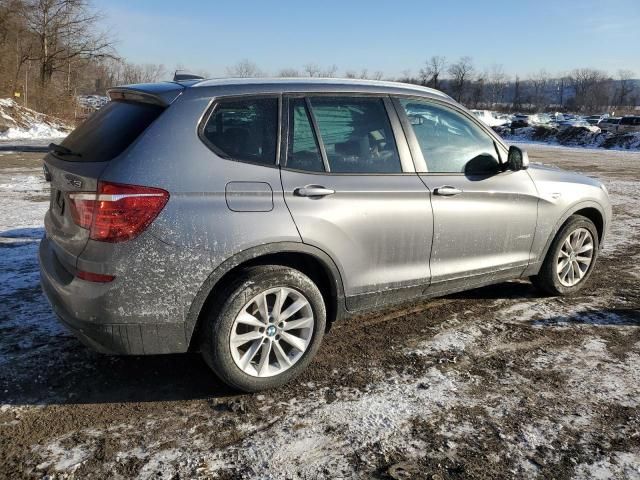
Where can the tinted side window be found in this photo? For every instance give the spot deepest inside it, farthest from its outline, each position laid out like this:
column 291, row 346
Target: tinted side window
column 356, row 134
column 303, row 152
column 244, row 129
column 450, row 142
column 630, row 121
column 109, row 131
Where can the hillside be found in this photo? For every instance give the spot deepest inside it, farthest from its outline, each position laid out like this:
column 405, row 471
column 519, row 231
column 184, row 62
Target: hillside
column 20, row 123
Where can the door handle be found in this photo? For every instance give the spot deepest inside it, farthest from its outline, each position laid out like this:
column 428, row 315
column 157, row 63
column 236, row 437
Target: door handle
column 312, row 191
column 447, row 191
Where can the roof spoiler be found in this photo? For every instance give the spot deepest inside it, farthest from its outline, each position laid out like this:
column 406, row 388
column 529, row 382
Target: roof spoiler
column 182, row 75
column 131, row 95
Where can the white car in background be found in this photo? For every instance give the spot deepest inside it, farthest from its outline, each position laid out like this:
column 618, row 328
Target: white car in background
column 490, row 118
column 595, row 119
column 609, row 124
column 557, row 117
column 540, row 119
column 576, row 123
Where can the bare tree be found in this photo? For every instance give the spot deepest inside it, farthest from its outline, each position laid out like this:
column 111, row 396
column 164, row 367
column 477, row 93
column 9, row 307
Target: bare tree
column 147, row 73
column 407, row 77
column 625, row 87
column 244, row 69
column 561, row 84
column 477, row 96
column 497, row 82
column 16, row 46
column 364, row 73
column 312, row 69
column 431, row 72
column 517, row 99
column 591, row 88
column 539, row 82
column 330, row 71
column 289, row 73
column 315, row 70
column 461, row 73
column 67, row 31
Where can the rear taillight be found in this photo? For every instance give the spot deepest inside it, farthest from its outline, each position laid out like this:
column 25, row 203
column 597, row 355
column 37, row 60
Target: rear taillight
column 117, row 212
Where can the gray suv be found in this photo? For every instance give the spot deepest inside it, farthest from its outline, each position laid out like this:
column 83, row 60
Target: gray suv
column 240, row 218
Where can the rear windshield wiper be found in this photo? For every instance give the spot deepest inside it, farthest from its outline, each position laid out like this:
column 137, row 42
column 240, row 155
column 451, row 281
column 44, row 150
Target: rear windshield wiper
column 62, row 150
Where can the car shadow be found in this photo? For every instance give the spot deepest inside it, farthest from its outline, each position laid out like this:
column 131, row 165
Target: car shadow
column 622, row 317
column 42, row 364
column 86, row 377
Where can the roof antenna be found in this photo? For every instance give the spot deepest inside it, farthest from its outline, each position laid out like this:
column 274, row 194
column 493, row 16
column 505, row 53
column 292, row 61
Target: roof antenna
column 182, row 75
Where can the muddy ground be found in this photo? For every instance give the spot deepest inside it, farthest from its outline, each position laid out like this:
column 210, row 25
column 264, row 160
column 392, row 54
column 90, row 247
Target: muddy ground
column 499, row 382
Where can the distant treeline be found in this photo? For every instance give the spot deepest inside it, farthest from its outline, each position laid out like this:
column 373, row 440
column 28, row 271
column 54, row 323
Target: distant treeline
column 53, row 50
column 580, row 90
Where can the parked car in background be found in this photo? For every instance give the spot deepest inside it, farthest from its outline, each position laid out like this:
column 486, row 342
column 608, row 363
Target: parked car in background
column 520, row 120
column 540, row 119
column 294, row 203
column 92, row 101
column 595, row 119
column 630, row 124
column 573, row 123
column 490, row 118
column 609, row 124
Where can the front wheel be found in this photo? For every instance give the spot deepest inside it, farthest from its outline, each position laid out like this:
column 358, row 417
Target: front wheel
column 264, row 328
column 570, row 259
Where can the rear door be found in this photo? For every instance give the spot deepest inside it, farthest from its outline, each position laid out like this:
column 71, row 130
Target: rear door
column 77, row 164
column 484, row 215
column 352, row 190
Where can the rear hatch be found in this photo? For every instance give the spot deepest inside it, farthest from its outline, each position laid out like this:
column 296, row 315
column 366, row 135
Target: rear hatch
column 77, row 164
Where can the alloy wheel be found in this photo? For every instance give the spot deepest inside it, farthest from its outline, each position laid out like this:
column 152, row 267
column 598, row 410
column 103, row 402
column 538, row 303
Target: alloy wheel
column 272, row 332
column 575, row 257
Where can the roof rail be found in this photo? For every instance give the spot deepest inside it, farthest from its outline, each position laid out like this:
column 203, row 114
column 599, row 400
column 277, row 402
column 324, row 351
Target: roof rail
column 182, row 75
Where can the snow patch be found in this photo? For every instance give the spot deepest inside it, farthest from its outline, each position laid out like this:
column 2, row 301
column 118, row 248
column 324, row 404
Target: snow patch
column 587, row 137
column 20, row 123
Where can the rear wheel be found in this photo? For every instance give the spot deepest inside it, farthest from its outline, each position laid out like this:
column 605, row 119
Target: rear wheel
column 265, row 328
column 570, row 259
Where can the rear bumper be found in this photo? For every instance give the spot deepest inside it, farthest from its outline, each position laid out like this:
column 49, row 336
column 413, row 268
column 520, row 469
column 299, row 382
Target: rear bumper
column 93, row 313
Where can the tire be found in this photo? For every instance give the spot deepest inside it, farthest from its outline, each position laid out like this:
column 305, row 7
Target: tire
column 549, row 279
column 245, row 294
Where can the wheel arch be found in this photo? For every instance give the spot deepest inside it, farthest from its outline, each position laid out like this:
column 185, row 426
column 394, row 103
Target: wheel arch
column 589, row 209
column 596, row 216
column 311, row 261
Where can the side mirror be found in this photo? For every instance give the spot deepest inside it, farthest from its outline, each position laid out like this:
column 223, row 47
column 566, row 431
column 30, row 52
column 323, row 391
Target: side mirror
column 517, row 159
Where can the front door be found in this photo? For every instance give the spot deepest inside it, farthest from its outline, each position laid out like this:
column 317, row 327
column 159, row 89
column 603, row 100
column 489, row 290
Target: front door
column 350, row 185
column 484, row 216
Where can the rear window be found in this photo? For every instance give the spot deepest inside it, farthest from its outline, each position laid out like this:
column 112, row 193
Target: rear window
column 108, row 132
column 244, row 129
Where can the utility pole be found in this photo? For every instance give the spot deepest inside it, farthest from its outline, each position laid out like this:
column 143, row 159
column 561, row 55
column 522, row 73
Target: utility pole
column 516, row 94
column 26, row 82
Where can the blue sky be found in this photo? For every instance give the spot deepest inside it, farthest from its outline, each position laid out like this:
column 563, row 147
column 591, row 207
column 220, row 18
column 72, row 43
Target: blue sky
column 523, row 36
